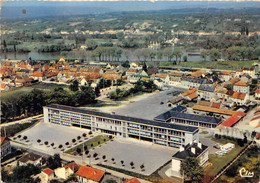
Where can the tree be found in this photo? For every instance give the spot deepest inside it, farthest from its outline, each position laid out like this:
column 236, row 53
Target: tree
column 79, row 137
column 97, row 91
column 84, row 134
column 39, row 141
column 191, row 169
column 122, row 162
column 185, row 58
column 78, row 150
column 132, row 164
column 90, row 132
column 60, row 146
column 204, row 54
column 86, row 152
column 152, row 55
column 168, row 53
column 25, row 137
column 142, row 167
column 214, row 54
column 113, row 159
column 73, row 140
column 177, row 53
column 46, row 143
column 52, row 144
column 74, row 86
column 104, row 157
column 95, row 155
column 159, row 55
column 67, row 143
column 144, row 67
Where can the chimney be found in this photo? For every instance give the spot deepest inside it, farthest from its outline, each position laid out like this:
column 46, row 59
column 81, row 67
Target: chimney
column 200, row 145
column 181, row 148
column 193, row 150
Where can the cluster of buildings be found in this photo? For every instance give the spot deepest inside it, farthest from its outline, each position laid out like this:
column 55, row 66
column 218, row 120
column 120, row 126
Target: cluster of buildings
column 66, row 170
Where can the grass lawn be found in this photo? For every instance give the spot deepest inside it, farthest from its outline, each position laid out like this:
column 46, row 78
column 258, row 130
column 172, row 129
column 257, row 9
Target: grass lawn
column 218, row 162
column 94, row 142
column 24, row 90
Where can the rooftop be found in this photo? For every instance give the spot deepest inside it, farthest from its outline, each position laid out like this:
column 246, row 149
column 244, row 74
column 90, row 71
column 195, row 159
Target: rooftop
column 29, row 157
column 214, row 110
column 132, row 180
column 47, row 171
column 187, row 151
column 193, row 117
column 90, row 173
column 125, row 118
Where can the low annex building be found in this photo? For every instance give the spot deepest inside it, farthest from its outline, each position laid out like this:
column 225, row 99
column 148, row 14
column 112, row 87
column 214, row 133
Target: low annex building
column 30, row 158
column 172, row 116
column 158, row 132
column 197, row 150
column 5, row 146
column 88, row 174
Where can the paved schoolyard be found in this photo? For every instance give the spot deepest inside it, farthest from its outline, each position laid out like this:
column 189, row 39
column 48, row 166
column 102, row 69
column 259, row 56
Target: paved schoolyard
column 149, row 107
column 52, row 133
column 130, row 150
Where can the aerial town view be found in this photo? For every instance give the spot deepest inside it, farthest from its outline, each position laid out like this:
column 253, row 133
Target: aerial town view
column 130, row 92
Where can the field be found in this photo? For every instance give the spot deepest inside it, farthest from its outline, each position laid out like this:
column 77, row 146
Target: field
column 92, row 143
column 9, row 95
column 227, row 65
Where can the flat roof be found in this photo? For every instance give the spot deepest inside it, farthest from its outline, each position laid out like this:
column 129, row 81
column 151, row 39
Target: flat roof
column 125, row 118
column 193, row 117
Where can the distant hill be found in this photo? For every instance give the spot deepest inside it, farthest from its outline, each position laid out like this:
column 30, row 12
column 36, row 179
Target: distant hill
column 40, row 9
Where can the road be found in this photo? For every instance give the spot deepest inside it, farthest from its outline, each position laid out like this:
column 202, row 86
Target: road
column 67, row 157
column 26, row 120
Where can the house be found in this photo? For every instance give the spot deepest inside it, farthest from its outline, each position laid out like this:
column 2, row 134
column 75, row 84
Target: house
column 30, row 158
column 174, row 102
column 5, row 146
column 131, row 72
column 132, row 180
column 152, row 70
column 206, row 91
column 204, row 110
column 67, row 170
column 257, row 94
column 89, row 174
column 190, row 94
column 241, row 87
column 46, row 175
column 240, row 98
column 135, row 65
column 190, row 82
column 38, row 75
column 225, row 75
column 175, row 79
column 249, row 71
column 197, row 150
column 4, row 87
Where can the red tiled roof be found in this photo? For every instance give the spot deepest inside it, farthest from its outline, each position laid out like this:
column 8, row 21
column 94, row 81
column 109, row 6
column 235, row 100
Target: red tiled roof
column 230, row 121
column 90, row 173
column 132, row 70
column 132, row 180
column 4, row 140
column 241, row 84
column 73, row 166
column 216, row 105
column 47, row 171
column 37, row 74
column 258, row 90
column 240, row 113
column 239, row 95
column 3, row 86
column 192, row 96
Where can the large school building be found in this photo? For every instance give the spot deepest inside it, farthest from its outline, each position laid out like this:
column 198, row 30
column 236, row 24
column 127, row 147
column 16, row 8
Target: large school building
column 163, row 133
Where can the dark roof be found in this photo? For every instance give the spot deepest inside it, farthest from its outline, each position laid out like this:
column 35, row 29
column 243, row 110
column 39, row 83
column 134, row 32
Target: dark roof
column 187, row 151
column 206, row 88
column 125, row 118
column 196, row 80
column 193, row 117
column 29, row 157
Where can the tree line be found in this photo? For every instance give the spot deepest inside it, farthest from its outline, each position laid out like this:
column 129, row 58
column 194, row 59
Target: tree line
column 31, row 104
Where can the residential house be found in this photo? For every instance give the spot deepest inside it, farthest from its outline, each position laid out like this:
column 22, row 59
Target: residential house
column 175, row 79
column 249, row 71
column 135, row 65
column 131, row 72
column 257, row 94
column 30, row 158
column 199, row 73
column 159, row 83
column 239, row 98
column 4, row 87
column 190, row 82
column 241, row 87
column 225, row 76
column 38, row 76
column 46, row 175
column 87, row 174
column 5, row 146
column 152, row 70
column 132, row 180
column 190, row 94
column 197, row 150
column 206, row 91
column 175, row 102
column 164, row 77
column 67, row 170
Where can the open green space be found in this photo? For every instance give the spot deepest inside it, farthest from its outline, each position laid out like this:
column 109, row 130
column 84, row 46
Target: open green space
column 9, row 95
column 218, row 162
column 89, row 144
column 226, row 65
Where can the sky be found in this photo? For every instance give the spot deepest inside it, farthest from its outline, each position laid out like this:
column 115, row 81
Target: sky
column 13, row 9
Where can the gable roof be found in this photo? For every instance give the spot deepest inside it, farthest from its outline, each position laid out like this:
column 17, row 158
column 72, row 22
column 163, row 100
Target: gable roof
column 207, row 88
column 90, row 173
column 73, row 166
column 29, row 157
column 239, row 83
column 239, row 95
column 188, row 153
column 47, row 171
column 192, row 96
column 214, row 110
column 132, row 180
column 231, row 121
column 37, row 74
column 4, row 140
